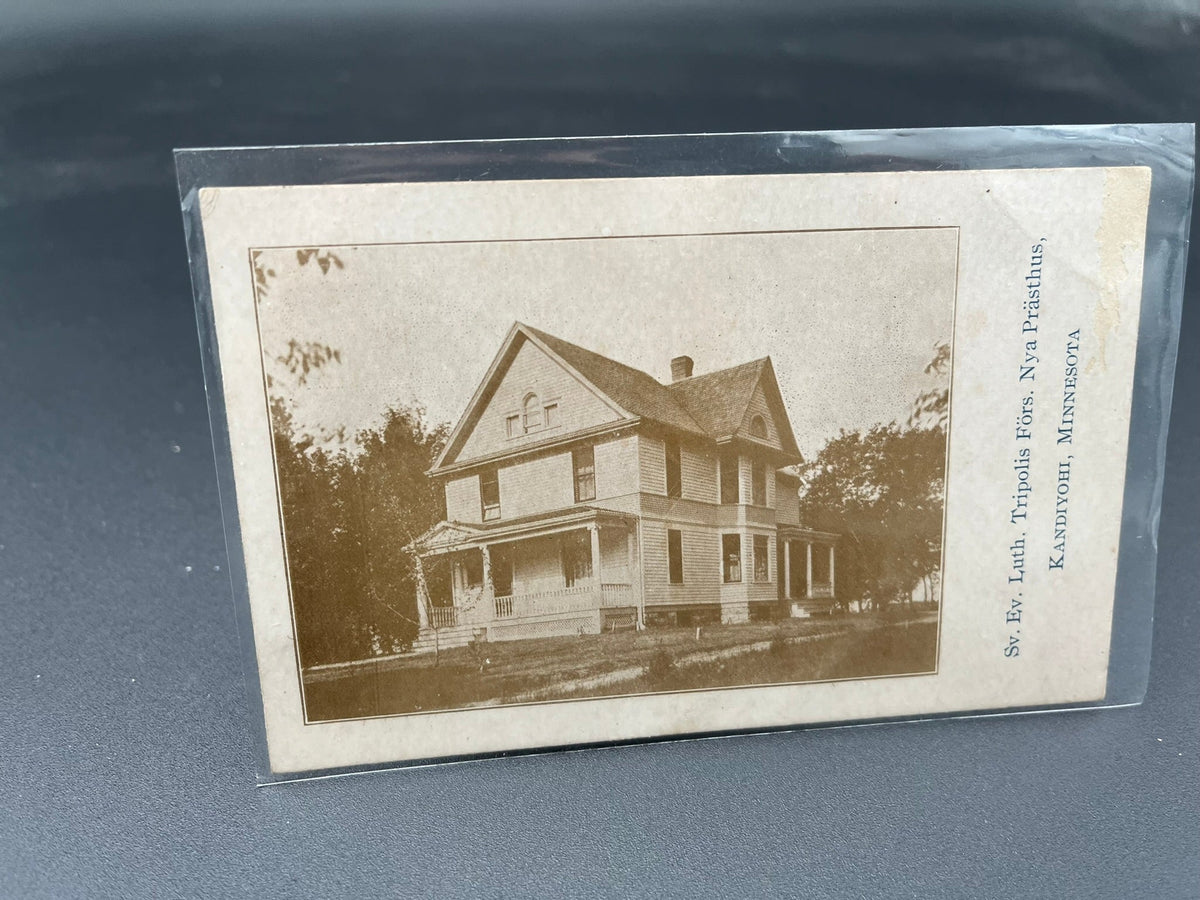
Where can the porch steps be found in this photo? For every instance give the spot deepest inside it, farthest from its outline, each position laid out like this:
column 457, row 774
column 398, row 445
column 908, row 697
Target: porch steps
column 446, row 638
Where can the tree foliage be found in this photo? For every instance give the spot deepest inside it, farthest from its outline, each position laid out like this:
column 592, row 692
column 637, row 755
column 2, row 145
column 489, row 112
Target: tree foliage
column 347, row 519
column 882, row 489
column 350, row 504
column 932, row 407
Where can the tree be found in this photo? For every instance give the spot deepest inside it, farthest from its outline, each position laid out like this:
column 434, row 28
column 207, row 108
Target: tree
column 398, row 503
column 350, row 504
column 347, row 518
column 883, row 489
column 932, row 407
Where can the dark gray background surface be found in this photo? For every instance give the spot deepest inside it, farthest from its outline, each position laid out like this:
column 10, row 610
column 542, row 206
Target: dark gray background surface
column 127, row 764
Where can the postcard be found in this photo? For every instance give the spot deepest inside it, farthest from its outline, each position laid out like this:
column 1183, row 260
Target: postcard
column 549, row 463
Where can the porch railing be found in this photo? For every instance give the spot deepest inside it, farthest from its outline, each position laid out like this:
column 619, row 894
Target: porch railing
column 542, row 603
column 616, row 595
column 822, row 591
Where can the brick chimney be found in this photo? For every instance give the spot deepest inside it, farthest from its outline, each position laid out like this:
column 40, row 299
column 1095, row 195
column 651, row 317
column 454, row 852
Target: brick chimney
column 681, row 368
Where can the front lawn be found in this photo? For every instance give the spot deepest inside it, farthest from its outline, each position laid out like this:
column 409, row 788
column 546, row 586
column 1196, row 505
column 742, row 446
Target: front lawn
column 534, row 670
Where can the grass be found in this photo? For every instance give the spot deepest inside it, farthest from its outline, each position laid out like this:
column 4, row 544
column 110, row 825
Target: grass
column 794, row 650
column 888, row 650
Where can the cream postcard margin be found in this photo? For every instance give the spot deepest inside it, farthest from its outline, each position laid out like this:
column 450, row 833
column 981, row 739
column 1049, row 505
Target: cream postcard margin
column 1003, row 643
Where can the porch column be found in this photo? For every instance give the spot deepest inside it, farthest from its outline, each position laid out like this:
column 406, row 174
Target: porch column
column 594, row 528
column 640, row 584
column 422, row 604
column 488, row 599
column 808, row 579
column 629, row 555
column 787, row 570
column 831, row 591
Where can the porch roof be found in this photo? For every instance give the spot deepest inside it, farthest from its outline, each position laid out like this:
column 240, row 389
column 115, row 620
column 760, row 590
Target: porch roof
column 448, row 536
column 800, row 533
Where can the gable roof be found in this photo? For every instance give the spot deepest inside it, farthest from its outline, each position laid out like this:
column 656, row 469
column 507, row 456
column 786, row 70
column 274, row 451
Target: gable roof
column 713, row 405
column 633, row 390
column 719, row 399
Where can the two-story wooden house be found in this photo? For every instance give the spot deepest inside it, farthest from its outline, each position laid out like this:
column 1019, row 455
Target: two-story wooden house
column 584, row 495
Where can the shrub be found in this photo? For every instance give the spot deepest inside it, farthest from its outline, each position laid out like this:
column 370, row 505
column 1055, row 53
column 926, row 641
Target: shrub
column 779, row 643
column 661, row 667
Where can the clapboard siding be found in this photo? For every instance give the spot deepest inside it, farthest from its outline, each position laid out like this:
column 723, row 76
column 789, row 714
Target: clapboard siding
column 652, row 464
column 617, row 467
column 532, row 371
column 787, row 503
column 759, row 407
column 462, row 499
column 745, row 485
column 536, row 485
column 699, row 475
column 701, row 565
column 614, row 556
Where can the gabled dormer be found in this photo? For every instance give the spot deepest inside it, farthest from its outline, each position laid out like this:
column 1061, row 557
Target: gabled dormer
column 541, row 390
column 740, row 405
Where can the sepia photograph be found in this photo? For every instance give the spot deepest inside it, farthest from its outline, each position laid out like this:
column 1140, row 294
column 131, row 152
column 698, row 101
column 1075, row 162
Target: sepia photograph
column 528, row 471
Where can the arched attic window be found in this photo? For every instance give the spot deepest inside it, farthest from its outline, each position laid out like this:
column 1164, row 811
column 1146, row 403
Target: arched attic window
column 758, row 427
column 531, row 414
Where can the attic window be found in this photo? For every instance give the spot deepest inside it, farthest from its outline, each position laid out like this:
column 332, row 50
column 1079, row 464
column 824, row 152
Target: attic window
column 535, row 415
column 758, row 427
column 532, row 415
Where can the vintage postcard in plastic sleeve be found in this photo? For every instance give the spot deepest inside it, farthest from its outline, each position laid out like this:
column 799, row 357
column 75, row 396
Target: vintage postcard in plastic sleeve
column 552, row 462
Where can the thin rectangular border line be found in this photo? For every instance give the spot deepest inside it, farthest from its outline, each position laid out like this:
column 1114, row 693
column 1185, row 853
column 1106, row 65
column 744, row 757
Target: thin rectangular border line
column 279, row 496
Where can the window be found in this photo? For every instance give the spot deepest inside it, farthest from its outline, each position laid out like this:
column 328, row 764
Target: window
column 674, row 471
column 762, row 553
column 576, row 551
column 729, row 478
column 532, row 413
column 550, row 415
column 584, row 461
column 512, row 425
column 758, row 427
column 675, row 555
column 731, row 557
column 502, row 570
column 473, row 568
column 758, row 483
column 489, row 494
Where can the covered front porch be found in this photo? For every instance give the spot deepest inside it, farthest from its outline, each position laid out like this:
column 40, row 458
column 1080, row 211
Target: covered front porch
column 807, row 562
column 576, row 572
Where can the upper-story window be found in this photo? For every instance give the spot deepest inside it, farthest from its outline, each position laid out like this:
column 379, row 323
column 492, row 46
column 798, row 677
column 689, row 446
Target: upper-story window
column 489, row 494
column 758, row 427
column 583, row 460
column 758, row 483
column 674, row 470
column 729, row 478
